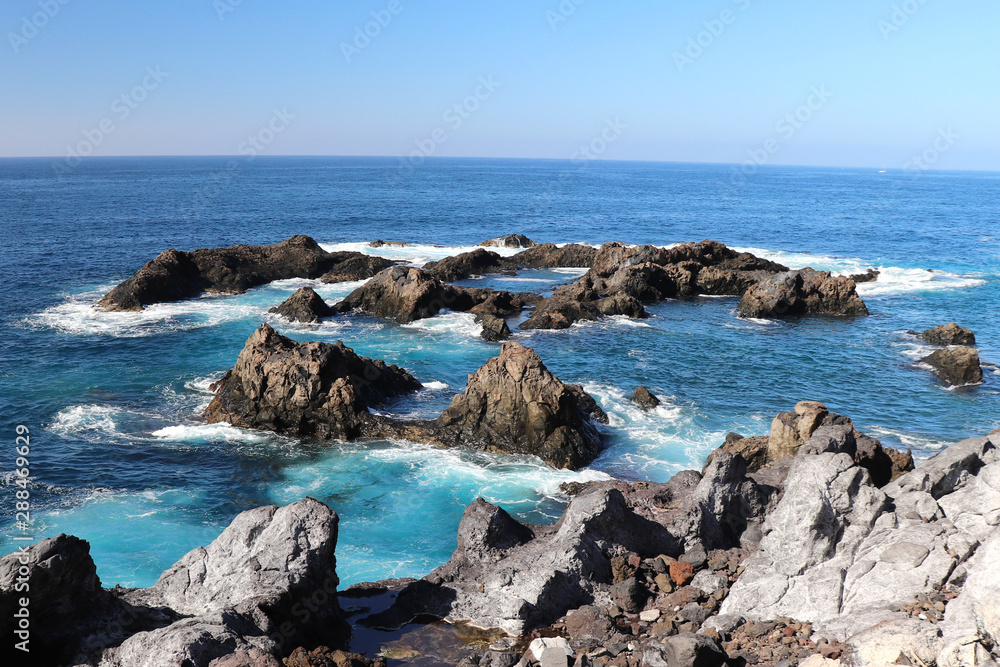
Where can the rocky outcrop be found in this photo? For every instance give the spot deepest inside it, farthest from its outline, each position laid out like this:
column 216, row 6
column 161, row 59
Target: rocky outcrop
column 477, row 262
column 869, row 276
column 622, row 278
column 644, row 399
column 266, row 585
column 404, row 294
column 852, row 559
column 392, row 244
column 304, row 389
column 175, row 275
column 958, row 366
column 550, row 256
column 304, row 306
column 513, row 404
column 509, row 241
column 349, row 266
column 947, row 334
column 495, row 328
column 802, row 292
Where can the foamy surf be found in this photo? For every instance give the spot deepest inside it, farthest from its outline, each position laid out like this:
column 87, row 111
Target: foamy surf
column 89, row 421
column 202, row 433
column 462, row 325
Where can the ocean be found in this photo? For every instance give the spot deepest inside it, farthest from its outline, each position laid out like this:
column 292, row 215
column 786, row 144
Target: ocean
column 112, row 400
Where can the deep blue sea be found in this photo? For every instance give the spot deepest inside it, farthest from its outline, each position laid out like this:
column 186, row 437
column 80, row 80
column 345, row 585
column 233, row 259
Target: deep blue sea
column 120, row 457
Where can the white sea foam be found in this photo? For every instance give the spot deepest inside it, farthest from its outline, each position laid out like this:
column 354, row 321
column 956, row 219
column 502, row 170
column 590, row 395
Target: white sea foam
column 87, row 420
column 908, row 439
column 460, row 324
column 210, row 433
column 434, row 385
column 202, row 385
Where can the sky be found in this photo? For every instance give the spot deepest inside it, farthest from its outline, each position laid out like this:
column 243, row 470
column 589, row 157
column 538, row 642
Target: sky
column 867, row 83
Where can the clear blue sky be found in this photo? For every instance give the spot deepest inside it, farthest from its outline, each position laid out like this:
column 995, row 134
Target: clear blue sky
column 894, row 91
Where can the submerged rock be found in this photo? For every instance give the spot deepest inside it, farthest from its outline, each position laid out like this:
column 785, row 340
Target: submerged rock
column 643, row 398
column 467, row 264
column 510, row 241
column 802, row 292
column 549, row 256
column 958, row 366
column 869, row 276
column 304, row 389
column 513, row 404
column 947, row 334
column 304, row 306
column 175, row 275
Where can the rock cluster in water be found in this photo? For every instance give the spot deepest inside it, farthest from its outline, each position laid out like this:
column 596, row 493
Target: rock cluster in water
column 304, row 306
column 957, row 363
column 802, row 292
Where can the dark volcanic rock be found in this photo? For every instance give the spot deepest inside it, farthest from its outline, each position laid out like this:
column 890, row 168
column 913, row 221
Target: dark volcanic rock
column 176, row 275
column 802, row 292
column 958, row 366
column 495, row 328
column 869, row 276
column 510, row 241
column 643, row 398
column 350, row 266
column 514, row 404
column 580, row 301
column 404, row 294
column 304, row 306
column 947, row 334
column 304, row 388
column 467, row 264
column 548, row 255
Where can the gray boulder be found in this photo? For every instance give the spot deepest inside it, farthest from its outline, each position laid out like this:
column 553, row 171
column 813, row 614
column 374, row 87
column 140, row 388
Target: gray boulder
column 958, row 366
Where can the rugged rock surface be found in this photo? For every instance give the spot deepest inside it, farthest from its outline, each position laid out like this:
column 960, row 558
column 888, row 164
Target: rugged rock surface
column 509, row 241
column 175, row 275
column 869, row 276
column 549, row 256
column 467, row 264
column 348, row 266
column 513, row 404
column 947, row 334
column 802, row 292
column 958, row 366
column 622, row 278
column 643, row 398
column 495, row 328
column 404, row 294
column 305, row 389
column 267, row 584
column 304, row 306
column 392, row 244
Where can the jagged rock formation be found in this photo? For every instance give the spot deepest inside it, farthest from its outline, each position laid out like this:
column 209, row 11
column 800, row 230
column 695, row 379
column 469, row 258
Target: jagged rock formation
column 304, row 306
column 175, row 275
column 513, row 404
column 869, row 276
column 242, row 597
column 305, row 389
column 802, row 292
column 467, row 264
column 846, row 556
column 404, row 294
column 509, row 241
column 350, row 266
column 549, row 256
column 643, row 398
column 622, row 278
column 947, row 334
column 958, row 366
column 495, row 328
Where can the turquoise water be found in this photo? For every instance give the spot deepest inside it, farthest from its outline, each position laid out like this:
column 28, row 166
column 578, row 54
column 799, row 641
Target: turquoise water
column 112, row 399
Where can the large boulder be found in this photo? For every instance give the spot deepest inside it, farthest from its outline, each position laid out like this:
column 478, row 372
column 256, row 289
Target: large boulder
column 175, row 275
column 580, row 301
column 802, row 292
column 467, row 264
column 549, row 255
column 947, row 334
column 350, row 266
column 513, row 404
column 958, row 366
column 509, row 241
column 304, row 306
column 305, row 389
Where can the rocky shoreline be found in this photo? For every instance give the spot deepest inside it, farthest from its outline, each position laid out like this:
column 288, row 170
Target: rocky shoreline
column 810, row 545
